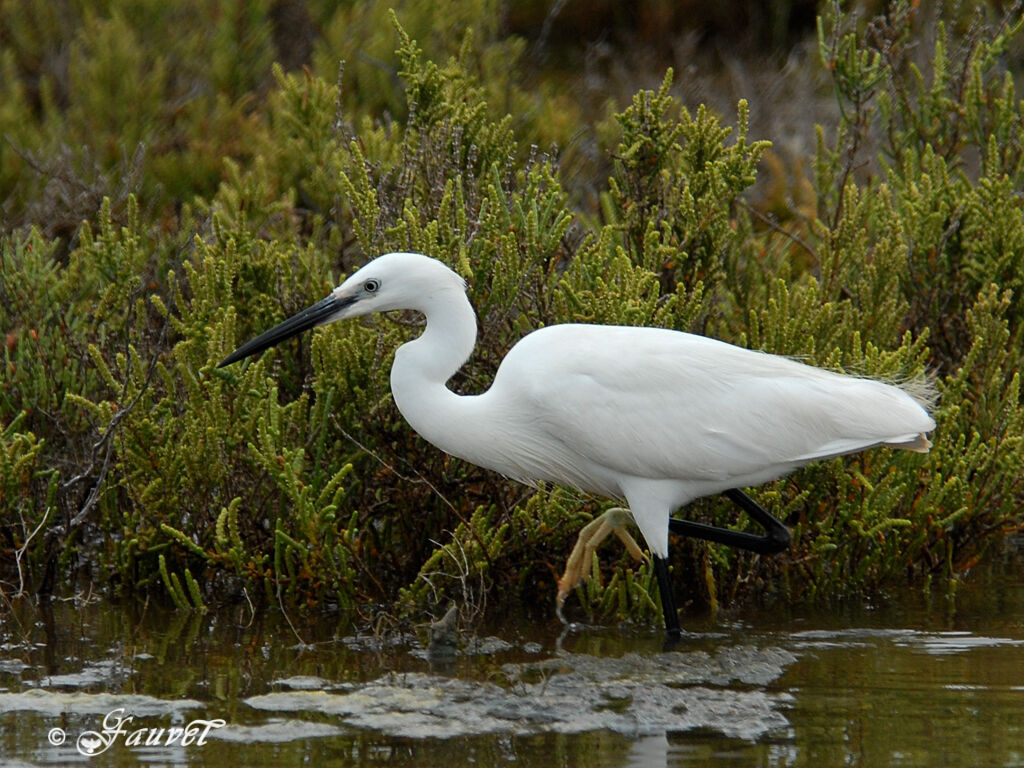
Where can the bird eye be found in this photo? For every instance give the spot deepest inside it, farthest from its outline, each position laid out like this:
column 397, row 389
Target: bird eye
column 371, row 285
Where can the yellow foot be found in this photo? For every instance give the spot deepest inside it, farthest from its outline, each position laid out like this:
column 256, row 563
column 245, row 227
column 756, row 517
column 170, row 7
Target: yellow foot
column 577, row 567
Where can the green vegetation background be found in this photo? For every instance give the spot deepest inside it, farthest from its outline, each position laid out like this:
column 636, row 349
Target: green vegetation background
column 168, row 191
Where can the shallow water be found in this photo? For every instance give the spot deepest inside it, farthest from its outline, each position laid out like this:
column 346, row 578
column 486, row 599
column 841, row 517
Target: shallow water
column 923, row 681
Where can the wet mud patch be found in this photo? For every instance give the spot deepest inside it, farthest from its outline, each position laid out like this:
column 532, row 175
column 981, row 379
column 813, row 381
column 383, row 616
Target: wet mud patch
column 632, row 695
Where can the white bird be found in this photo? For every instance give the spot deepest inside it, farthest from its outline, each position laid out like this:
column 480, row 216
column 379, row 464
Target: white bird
column 653, row 417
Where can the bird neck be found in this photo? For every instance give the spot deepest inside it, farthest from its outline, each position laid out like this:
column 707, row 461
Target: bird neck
column 423, row 366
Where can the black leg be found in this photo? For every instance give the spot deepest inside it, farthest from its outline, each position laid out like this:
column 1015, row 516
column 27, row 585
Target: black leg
column 775, row 539
column 668, row 603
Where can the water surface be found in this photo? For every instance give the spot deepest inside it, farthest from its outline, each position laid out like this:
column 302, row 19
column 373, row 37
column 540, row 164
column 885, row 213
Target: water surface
column 922, row 680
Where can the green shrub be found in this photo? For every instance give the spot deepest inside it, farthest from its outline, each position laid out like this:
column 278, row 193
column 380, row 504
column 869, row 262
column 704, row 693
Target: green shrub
column 292, row 479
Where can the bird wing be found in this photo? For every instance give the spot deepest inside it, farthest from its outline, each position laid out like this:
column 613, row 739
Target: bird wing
column 663, row 404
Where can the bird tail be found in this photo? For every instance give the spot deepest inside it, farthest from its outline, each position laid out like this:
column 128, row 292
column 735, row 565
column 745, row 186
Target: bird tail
column 923, row 391
column 917, row 444
column 922, row 388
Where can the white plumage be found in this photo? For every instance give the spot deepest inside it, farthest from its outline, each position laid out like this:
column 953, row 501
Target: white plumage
column 651, row 416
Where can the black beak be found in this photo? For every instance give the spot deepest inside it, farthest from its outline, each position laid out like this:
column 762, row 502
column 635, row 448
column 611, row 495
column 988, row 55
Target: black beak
column 318, row 314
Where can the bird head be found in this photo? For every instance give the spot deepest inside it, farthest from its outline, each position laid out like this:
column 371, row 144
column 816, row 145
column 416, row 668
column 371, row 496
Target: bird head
column 389, row 282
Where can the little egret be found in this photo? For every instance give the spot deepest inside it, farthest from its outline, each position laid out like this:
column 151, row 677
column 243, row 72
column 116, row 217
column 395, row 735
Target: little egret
column 653, row 417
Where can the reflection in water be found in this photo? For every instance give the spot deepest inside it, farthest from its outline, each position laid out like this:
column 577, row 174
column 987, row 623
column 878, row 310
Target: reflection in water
column 648, row 751
column 924, row 684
